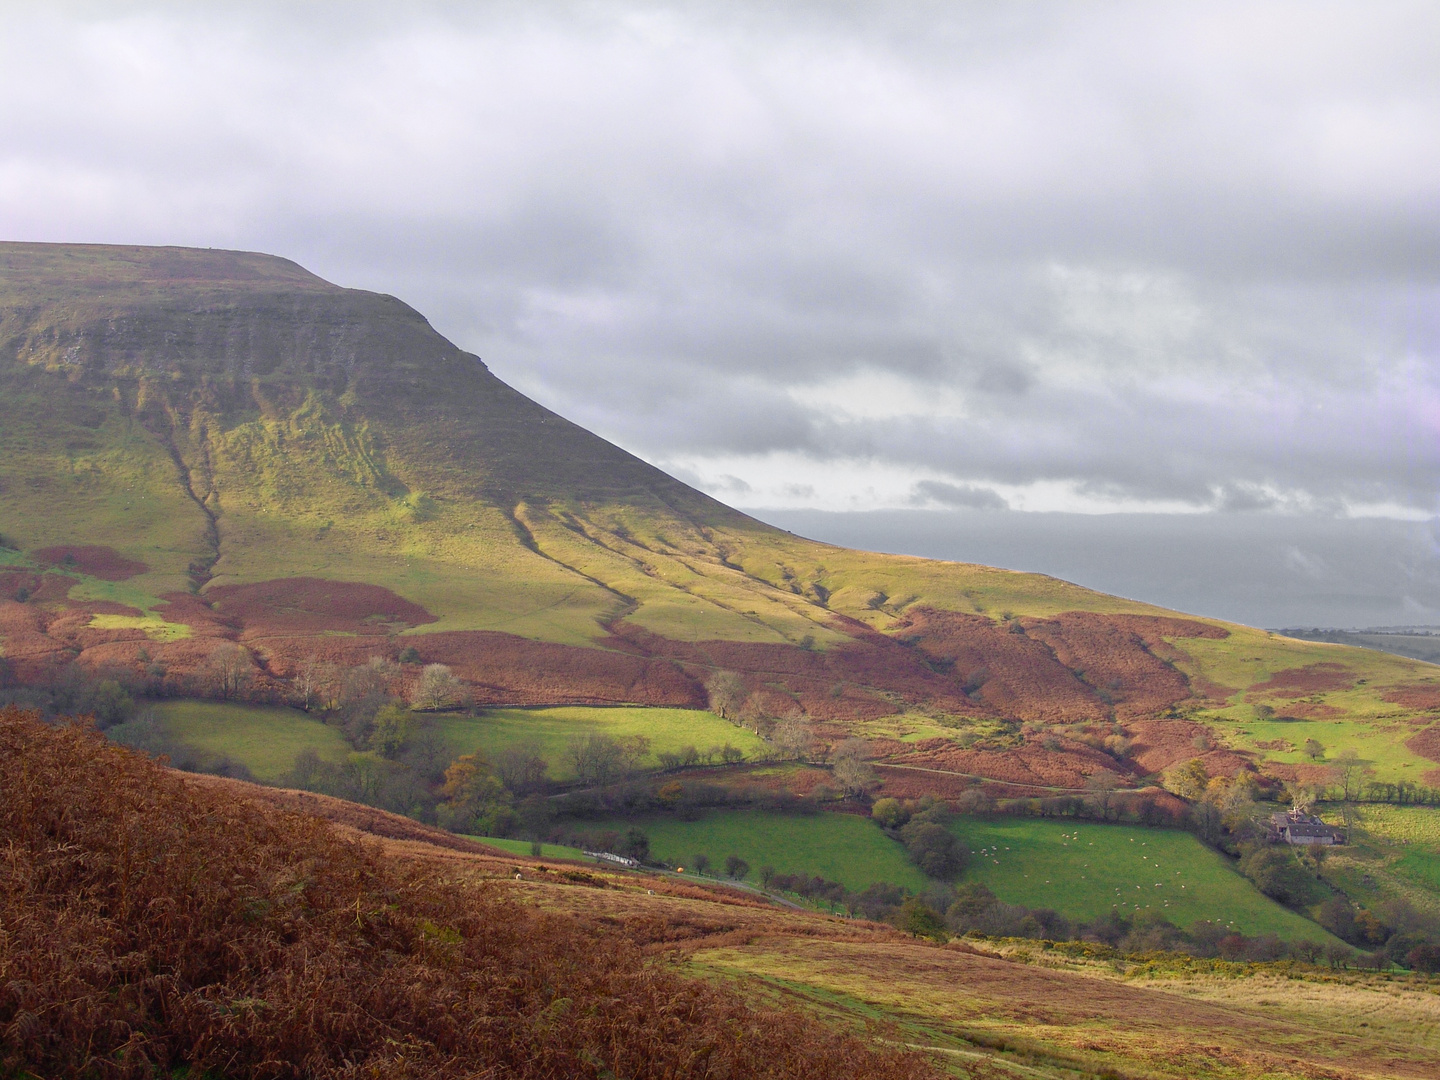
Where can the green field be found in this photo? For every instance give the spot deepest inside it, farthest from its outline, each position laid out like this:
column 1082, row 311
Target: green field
column 669, row 730
column 265, row 739
column 1407, row 826
column 1083, row 870
column 522, row 847
column 1378, row 742
column 1394, row 853
column 839, row 847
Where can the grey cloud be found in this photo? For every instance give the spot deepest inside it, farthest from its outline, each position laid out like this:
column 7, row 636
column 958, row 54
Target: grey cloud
column 1155, row 251
column 956, row 496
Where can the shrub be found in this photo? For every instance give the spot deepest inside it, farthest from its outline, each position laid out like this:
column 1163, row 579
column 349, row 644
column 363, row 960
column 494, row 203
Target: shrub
column 919, row 919
column 1277, row 874
column 636, row 844
column 890, row 813
column 1424, row 957
column 932, row 847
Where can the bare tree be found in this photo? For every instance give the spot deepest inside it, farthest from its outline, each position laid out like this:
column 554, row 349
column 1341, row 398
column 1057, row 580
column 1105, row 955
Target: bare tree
column 1101, row 786
column 313, row 679
column 437, row 688
column 521, row 768
column 1349, row 770
column 602, row 759
column 794, row 738
column 851, row 768
column 727, row 693
column 228, row 671
column 373, row 679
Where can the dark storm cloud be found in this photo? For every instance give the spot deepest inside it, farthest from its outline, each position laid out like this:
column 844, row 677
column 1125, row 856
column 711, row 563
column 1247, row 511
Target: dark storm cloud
column 1026, row 255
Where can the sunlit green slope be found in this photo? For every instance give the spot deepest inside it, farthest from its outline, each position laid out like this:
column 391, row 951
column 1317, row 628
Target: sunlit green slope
column 227, row 418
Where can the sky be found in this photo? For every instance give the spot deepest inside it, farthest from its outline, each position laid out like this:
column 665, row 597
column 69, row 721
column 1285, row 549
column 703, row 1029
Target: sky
column 1151, row 286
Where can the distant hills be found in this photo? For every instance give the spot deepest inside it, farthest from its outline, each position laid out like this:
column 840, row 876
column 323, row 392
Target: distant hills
column 1416, row 642
column 217, row 458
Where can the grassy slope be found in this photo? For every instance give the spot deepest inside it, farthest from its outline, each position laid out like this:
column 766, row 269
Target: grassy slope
column 522, row 847
column 1358, row 716
column 1049, row 1015
column 1393, row 854
column 669, row 731
column 1083, row 870
column 267, row 739
column 1080, row 870
column 415, row 469
column 264, row 739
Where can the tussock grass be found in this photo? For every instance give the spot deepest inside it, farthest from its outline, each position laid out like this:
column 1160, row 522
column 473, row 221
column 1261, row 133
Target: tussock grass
column 149, row 925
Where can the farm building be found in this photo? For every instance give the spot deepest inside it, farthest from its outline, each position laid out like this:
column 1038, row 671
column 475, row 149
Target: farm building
column 1298, row 827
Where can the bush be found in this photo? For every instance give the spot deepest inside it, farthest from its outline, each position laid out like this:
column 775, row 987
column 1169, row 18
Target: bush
column 1424, row 957
column 890, row 813
column 932, row 847
column 919, row 919
column 636, row 844
column 1276, row 873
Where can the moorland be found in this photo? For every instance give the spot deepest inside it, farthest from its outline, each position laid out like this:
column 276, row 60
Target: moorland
column 284, row 533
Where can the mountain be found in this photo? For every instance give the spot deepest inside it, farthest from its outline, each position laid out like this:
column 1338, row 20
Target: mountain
column 212, row 459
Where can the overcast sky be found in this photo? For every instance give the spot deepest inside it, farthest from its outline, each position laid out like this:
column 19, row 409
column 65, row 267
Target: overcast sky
column 986, row 259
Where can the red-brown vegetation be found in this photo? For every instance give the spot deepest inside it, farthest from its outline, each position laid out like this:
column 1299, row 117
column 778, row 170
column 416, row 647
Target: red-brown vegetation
column 506, row 668
column 104, row 563
column 150, row 924
column 1416, row 696
column 1125, row 658
column 1304, row 681
column 1426, row 743
column 859, row 680
column 365, row 819
column 1031, row 763
column 1159, row 744
column 1008, row 672
column 305, row 605
column 1312, row 710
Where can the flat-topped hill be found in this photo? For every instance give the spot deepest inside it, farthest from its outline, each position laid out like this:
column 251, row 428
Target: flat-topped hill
column 207, row 452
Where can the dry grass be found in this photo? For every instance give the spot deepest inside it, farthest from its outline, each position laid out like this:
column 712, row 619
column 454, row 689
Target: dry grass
column 147, row 924
column 1048, row 1016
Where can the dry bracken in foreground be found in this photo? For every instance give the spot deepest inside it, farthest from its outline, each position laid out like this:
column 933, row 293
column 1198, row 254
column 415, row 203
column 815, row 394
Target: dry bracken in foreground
column 148, row 925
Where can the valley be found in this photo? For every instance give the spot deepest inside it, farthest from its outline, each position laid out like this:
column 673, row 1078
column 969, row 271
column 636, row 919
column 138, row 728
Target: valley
column 288, row 538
